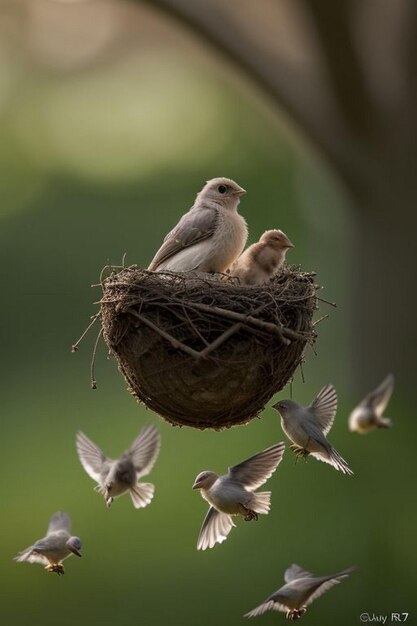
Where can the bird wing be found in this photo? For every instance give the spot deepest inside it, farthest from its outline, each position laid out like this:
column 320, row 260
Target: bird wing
column 256, row 470
column 58, row 521
column 145, row 449
column 268, row 605
column 328, row 583
column 378, row 398
column 215, row 528
column 196, row 225
column 92, row 458
column 294, row 572
column 324, row 407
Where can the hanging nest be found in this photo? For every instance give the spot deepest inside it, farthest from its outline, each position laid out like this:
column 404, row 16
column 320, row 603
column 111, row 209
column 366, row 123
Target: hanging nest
column 202, row 350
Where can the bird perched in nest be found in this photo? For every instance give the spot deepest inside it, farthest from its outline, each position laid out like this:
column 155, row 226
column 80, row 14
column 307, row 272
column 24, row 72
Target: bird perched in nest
column 210, row 236
column 115, row 478
column 307, row 427
column 369, row 413
column 55, row 547
column 234, row 494
column 262, row 260
column 300, row 590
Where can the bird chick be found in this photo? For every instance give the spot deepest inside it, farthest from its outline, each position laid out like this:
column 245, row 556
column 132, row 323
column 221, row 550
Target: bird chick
column 262, row 260
column 57, row 545
column 307, row 427
column 369, row 414
column 234, row 494
column 300, row 590
column 116, row 477
column 210, row 236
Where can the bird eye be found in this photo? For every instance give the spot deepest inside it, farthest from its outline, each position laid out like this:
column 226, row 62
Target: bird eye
column 222, row 188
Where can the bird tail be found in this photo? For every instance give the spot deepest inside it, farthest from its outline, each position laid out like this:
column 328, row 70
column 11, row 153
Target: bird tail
column 384, row 422
column 24, row 555
column 142, row 494
column 332, row 457
column 268, row 605
column 261, row 502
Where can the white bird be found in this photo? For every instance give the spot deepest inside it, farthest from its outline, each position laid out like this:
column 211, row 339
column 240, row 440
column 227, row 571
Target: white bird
column 369, row 414
column 116, row 477
column 307, row 427
column 262, row 260
column 56, row 546
column 300, row 590
column 234, row 494
column 210, row 236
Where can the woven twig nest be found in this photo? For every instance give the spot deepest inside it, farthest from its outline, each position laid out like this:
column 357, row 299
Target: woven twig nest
column 203, row 350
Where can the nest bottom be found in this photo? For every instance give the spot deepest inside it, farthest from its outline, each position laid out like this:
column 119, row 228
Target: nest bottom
column 205, row 352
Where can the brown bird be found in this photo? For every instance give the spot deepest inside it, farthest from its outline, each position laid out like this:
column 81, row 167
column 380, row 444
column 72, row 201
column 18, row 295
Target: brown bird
column 210, row 237
column 262, row 260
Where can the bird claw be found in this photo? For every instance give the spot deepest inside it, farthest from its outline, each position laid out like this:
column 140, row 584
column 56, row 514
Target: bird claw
column 299, row 452
column 251, row 515
column 295, row 614
column 109, row 502
column 56, row 568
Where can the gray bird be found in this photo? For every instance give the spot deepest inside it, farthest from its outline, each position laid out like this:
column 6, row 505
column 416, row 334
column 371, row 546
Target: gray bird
column 369, row 413
column 115, row 477
column 307, row 427
column 262, row 260
column 55, row 547
column 210, row 236
column 234, row 494
column 300, row 590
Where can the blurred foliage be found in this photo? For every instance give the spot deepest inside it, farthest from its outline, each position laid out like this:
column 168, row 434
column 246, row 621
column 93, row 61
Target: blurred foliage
column 102, row 163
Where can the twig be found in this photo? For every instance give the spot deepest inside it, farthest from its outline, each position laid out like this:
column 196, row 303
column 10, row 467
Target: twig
column 175, row 343
column 320, row 320
column 285, row 334
column 75, row 345
column 326, row 301
column 93, row 361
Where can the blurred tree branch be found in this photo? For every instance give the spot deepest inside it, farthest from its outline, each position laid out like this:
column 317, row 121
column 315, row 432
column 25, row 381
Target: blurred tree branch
column 336, row 101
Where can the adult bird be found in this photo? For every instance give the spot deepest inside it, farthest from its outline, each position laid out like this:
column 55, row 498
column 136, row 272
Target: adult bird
column 116, row 477
column 57, row 545
column 300, row 590
column 234, row 494
column 210, row 236
column 307, row 427
column 369, row 414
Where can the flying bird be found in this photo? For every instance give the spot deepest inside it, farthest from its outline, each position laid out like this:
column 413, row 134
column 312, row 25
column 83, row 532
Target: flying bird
column 56, row 546
column 210, row 236
column 115, row 477
column 234, row 494
column 369, row 414
column 300, row 590
column 262, row 260
column 307, row 427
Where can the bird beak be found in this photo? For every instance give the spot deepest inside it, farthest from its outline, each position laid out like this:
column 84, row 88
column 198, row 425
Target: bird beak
column 239, row 192
column 276, row 406
column 289, row 243
column 75, row 551
column 196, row 485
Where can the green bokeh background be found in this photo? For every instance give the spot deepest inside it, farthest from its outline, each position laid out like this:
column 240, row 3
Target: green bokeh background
column 90, row 170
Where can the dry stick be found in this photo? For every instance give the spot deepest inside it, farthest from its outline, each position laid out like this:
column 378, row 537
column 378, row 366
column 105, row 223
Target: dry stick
column 74, row 347
column 284, row 333
column 93, row 361
column 227, row 333
column 320, row 320
column 327, row 301
column 174, row 342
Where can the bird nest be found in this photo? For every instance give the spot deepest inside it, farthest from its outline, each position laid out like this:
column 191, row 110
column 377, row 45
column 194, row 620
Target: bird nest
column 203, row 350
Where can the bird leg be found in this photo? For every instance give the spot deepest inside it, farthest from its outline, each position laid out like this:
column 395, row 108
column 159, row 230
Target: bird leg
column 56, row 568
column 248, row 514
column 109, row 501
column 295, row 614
